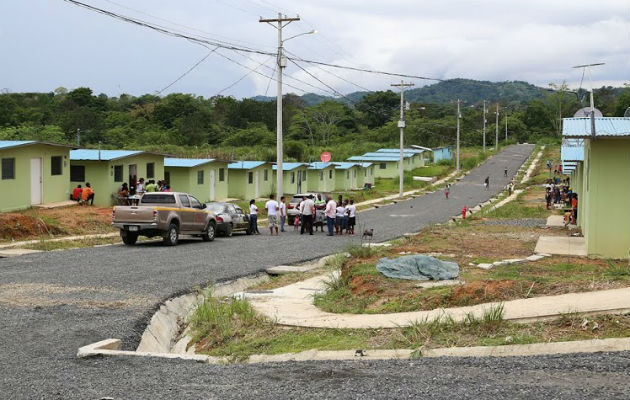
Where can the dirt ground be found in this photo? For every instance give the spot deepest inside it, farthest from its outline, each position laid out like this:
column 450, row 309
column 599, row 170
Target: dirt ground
column 36, row 223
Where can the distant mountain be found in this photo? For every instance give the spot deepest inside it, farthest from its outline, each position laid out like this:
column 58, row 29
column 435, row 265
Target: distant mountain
column 468, row 90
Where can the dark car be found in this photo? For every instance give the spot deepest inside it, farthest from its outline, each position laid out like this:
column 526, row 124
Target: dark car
column 230, row 218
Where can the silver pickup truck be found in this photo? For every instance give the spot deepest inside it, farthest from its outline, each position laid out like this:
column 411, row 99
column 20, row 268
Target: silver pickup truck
column 166, row 214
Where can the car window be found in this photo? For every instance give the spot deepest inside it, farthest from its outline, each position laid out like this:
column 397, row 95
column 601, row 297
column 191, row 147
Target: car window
column 215, row 207
column 194, row 203
column 296, row 199
column 231, row 209
column 184, row 200
column 157, row 199
column 239, row 210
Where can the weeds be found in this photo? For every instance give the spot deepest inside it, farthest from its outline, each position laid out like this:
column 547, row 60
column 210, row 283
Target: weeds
column 358, row 251
column 617, row 272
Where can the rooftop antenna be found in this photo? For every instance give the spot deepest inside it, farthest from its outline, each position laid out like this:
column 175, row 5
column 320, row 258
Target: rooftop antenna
column 587, row 69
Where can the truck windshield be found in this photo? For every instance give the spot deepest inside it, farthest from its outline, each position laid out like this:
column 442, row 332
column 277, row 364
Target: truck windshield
column 158, row 199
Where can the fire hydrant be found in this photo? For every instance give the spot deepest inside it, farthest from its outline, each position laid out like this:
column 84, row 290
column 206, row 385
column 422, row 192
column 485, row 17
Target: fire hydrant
column 464, row 211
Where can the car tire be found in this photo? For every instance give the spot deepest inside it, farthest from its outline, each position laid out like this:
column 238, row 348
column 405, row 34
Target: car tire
column 249, row 231
column 171, row 237
column 210, row 233
column 229, row 230
column 129, row 238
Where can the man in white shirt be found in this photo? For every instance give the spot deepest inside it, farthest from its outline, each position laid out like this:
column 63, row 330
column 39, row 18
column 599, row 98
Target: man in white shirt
column 272, row 214
column 331, row 211
column 307, row 210
column 352, row 216
column 283, row 213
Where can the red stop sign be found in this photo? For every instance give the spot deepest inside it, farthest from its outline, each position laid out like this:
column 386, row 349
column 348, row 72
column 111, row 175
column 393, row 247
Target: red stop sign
column 325, row 156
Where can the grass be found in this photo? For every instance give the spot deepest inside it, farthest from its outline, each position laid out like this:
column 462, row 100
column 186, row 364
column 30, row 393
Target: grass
column 47, row 245
column 516, row 210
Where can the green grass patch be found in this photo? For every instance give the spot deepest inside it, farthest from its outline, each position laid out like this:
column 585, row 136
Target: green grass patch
column 516, row 210
column 48, row 245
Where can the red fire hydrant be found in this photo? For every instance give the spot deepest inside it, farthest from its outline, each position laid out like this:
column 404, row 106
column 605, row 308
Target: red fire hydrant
column 464, row 211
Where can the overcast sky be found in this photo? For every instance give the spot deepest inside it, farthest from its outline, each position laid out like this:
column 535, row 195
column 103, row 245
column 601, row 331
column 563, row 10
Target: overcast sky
column 50, row 43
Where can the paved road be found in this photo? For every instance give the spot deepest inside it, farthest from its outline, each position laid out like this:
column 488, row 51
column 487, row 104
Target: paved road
column 52, row 303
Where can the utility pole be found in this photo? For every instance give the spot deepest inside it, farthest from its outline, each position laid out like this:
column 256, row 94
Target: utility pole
column 282, row 63
column 506, row 122
column 592, row 105
column 496, row 125
column 78, row 137
column 484, row 126
column 459, row 115
column 401, row 124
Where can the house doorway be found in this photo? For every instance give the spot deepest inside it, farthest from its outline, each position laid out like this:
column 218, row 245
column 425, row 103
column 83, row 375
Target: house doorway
column 133, row 177
column 212, row 194
column 256, row 185
column 36, row 181
column 299, row 182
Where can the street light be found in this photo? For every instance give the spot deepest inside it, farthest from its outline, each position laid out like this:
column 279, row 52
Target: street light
column 300, row 34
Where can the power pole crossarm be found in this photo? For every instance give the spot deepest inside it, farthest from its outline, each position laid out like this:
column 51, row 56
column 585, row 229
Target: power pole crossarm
column 401, row 124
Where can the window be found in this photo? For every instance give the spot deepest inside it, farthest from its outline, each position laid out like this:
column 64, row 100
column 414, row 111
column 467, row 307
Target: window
column 77, row 173
column 150, row 170
column 200, row 177
column 194, row 203
column 321, row 175
column 382, row 165
column 266, row 174
column 365, row 172
column 250, row 177
column 8, row 168
column 292, row 177
column 55, row 165
column 118, row 173
column 221, row 174
column 330, row 174
column 167, row 177
column 348, row 174
column 303, row 175
column 184, row 200
column 157, row 198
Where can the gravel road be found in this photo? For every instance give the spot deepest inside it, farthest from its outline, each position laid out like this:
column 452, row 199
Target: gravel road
column 53, row 303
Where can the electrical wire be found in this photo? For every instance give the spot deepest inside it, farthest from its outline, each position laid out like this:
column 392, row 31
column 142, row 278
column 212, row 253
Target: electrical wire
column 270, row 79
column 243, row 77
column 188, row 71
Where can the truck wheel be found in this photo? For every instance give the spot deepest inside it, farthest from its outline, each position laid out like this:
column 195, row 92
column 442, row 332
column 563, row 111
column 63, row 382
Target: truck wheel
column 229, row 230
column 172, row 235
column 129, row 238
column 210, row 233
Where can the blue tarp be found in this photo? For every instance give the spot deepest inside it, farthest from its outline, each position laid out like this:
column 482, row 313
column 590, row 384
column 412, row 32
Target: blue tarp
column 418, row 267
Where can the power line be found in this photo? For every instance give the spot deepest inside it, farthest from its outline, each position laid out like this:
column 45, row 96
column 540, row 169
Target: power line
column 188, row 71
column 244, row 76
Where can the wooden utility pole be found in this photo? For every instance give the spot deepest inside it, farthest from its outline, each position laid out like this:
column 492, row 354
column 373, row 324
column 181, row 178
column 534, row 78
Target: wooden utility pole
column 401, row 124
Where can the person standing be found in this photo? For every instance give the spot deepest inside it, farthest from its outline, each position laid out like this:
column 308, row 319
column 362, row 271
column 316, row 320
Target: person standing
column 308, row 210
column 319, row 217
column 340, row 218
column 330, row 212
column 272, row 214
column 352, row 217
column 253, row 216
column 140, row 187
column 574, row 207
column 447, row 190
column 486, row 182
column 283, row 213
column 505, row 171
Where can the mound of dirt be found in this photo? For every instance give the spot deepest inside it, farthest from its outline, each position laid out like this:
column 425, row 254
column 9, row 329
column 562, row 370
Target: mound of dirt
column 20, row 226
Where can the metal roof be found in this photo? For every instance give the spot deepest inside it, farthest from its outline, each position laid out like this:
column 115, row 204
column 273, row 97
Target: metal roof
column 443, row 147
column 101, row 155
column 320, row 165
column 604, row 127
column 365, row 164
column 288, row 166
column 383, row 158
column 246, row 164
column 186, row 162
column 572, row 150
column 409, row 151
column 7, row 144
column 346, row 165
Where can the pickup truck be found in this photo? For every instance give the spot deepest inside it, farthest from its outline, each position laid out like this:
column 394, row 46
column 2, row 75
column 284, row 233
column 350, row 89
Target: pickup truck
column 166, row 214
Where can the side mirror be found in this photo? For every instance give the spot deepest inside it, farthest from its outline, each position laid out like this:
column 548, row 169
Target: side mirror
column 203, row 205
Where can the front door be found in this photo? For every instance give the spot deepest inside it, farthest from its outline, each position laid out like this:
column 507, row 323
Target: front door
column 299, row 182
column 36, row 181
column 133, row 175
column 212, row 194
column 256, row 185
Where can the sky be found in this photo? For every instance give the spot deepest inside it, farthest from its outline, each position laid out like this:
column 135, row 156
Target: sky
column 46, row 44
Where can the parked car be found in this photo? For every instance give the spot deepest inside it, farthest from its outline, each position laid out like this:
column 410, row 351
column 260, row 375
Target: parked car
column 167, row 215
column 294, row 203
column 230, row 218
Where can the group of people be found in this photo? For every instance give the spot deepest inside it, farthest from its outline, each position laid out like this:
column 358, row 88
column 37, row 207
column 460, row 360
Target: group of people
column 312, row 213
column 558, row 191
column 83, row 195
column 128, row 194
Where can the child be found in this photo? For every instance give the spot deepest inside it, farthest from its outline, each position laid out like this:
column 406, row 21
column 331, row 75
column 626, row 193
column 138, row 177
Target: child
column 447, row 190
column 296, row 223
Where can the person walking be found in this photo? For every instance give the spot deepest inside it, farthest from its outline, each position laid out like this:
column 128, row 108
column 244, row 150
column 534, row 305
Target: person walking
column 283, row 213
column 505, row 171
column 308, row 210
column 447, row 190
column 330, row 212
column 352, row 217
column 253, row 216
column 486, row 182
column 272, row 214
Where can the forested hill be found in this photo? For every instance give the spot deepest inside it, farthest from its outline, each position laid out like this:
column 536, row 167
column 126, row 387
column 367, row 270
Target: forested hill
column 444, row 92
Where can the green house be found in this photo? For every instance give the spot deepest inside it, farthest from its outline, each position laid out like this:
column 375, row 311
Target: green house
column 294, row 177
column 321, row 177
column 204, row 178
column 250, row 179
column 33, row 173
column 365, row 174
column 602, row 182
column 385, row 166
column 347, row 175
column 106, row 170
column 416, row 157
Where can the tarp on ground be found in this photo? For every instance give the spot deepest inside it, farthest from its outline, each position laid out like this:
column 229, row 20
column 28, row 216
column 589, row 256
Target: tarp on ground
column 418, row 267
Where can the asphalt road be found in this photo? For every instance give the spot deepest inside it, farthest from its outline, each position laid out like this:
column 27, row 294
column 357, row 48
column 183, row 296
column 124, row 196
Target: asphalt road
column 53, row 303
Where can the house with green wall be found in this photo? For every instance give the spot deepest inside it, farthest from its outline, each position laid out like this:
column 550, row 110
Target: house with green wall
column 106, row 170
column 204, row 178
column 347, row 175
column 365, row 174
column 33, row 173
column 321, row 177
column 603, row 184
column 250, row 179
column 415, row 155
column 385, row 165
column 294, row 177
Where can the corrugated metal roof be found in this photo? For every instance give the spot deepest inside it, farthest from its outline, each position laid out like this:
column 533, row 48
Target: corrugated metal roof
column 410, row 151
column 572, row 150
column 405, row 154
column 443, row 147
column 105, row 155
column 320, row 165
column 245, row 164
column 604, row 127
column 186, row 162
column 383, row 157
column 288, row 166
column 6, row 144
column 346, row 165
column 365, row 164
